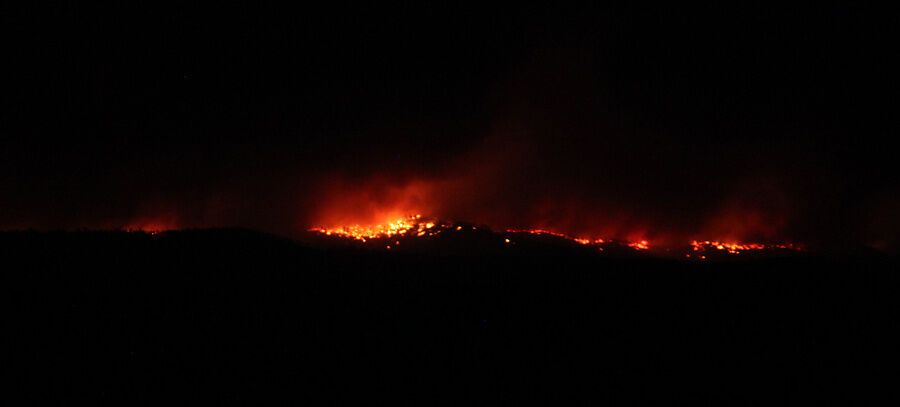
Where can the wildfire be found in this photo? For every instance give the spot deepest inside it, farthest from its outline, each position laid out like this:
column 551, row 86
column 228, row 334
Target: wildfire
column 152, row 226
column 412, row 225
column 636, row 245
column 641, row 245
column 736, row 248
column 391, row 233
column 544, row 232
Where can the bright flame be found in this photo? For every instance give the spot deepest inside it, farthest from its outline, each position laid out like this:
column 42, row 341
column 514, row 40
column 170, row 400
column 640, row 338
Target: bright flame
column 640, row 245
column 412, row 226
column 397, row 227
column 735, row 247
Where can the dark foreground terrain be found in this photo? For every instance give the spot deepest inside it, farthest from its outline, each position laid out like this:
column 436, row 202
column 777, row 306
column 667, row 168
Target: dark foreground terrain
column 234, row 317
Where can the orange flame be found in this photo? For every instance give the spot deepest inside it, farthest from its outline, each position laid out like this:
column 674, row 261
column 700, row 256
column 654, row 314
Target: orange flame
column 640, row 245
column 379, row 208
column 737, row 248
column 408, row 226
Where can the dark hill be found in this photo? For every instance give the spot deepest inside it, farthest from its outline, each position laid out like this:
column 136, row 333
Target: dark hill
column 236, row 317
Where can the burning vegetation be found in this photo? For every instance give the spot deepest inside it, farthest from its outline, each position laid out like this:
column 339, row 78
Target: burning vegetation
column 392, row 233
column 701, row 249
column 409, row 226
column 737, row 248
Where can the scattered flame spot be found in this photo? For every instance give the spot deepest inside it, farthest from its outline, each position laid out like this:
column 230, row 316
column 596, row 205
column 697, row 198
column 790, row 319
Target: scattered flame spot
column 391, row 232
column 641, row 245
column 737, row 248
column 388, row 229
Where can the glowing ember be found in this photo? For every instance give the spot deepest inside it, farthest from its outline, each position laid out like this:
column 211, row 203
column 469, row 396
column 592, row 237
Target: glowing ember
column 544, row 232
column 391, row 233
column 539, row 232
column 408, row 226
column 597, row 242
column 416, row 226
column 736, row 248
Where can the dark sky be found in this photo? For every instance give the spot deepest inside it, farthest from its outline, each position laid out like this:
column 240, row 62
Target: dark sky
column 743, row 122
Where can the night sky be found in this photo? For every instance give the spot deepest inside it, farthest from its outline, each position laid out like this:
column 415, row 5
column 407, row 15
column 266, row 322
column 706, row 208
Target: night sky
column 746, row 123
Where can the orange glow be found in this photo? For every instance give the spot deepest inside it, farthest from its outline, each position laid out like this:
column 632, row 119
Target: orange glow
column 735, row 247
column 404, row 226
column 391, row 232
column 416, row 226
column 151, row 225
column 640, row 245
column 544, row 232
column 540, row 232
column 379, row 209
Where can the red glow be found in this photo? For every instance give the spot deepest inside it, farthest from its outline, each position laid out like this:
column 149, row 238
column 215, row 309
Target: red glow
column 370, row 208
column 377, row 209
column 151, row 225
column 736, row 247
column 640, row 245
column 409, row 226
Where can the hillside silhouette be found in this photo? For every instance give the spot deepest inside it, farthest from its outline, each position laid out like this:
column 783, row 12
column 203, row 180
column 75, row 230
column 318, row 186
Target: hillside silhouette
column 234, row 316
